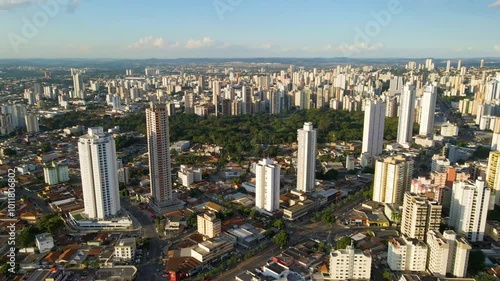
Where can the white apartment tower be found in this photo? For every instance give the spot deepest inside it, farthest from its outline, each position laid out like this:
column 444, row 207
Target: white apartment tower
column 469, row 208
column 306, row 157
column 392, row 179
column 159, row 154
column 405, row 254
column 267, row 185
column 458, row 257
column 428, row 109
column 438, row 255
column 420, row 215
column 77, row 83
column 32, row 123
column 350, row 264
column 98, row 171
column 406, row 115
column 373, row 128
column 55, row 173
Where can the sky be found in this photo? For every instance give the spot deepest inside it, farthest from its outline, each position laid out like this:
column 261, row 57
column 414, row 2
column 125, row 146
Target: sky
column 249, row 28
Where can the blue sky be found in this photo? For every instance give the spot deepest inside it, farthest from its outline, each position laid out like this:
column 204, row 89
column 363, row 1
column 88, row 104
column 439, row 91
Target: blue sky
column 249, row 28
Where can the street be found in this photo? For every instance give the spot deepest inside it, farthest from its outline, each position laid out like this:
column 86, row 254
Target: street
column 152, row 267
column 249, row 264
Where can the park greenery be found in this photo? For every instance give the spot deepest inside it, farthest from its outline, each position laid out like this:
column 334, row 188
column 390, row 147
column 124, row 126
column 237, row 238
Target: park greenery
column 50, row 223
column 239, row 135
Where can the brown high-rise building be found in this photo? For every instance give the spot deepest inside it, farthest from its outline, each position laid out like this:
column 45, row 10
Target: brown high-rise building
column 159, row 154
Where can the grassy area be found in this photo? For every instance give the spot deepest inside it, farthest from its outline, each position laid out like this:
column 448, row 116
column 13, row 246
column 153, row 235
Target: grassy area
column 78, row 217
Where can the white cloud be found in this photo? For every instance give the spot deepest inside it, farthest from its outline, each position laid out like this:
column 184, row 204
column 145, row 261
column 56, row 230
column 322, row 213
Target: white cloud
column 267, row 46
column 195, row 44
column 463, row 49
column 497, row 48
column 11, row 4
column 150, row 42
column 147, row 42
column 495, row 4
column 6, row 5
column 356, row 47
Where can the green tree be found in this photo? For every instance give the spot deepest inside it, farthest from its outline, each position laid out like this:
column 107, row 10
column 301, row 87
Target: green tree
column 396, row 217
column 27, row 237
column 281, row 239
column 328, row 218
column 9, row 152
column 279, row 224
column 387, row 274
column 476, row 262
column 192, row 220
column 50, row 223
column 46, row 147
column 344, row 242
column 253, row 213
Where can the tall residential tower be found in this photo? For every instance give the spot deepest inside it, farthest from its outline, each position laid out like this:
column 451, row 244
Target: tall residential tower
column 99, row 174
column 373, row 128
column 267, row 185
column 306, row 157
column 428, row 109
column 159, row 154
column 406, row 115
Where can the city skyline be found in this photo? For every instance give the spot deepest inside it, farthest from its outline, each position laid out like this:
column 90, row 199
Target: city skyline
column 378, row 29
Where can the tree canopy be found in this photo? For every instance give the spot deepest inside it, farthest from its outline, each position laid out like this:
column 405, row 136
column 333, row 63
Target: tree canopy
column 344, row 242
column 281, row 239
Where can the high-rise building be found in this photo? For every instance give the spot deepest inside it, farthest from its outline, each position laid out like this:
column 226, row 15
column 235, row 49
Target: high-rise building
column 99, row 174
column 350, row 264
column 77, row 83
column 481, row 64
column 246, row 97
column 406, row 115
column 406, row 254
column 208, row 224
column 428, row 110
column 189, row 102
column 392, row 179
column 216, row 96
column 267, row 185
column 6, row 126
column 396, row 85
column 373, row 128
column 469, row 208
column 448, row 66
column 159, row 154
column 420, row 215
column 493, row 174
column 492, row 91
column 438, row 254
column 55, row 173
column 17, row 112
column 459, row 64
column 306, row 157
column 32, row 123
column 458, row 256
